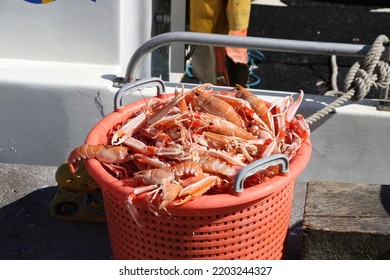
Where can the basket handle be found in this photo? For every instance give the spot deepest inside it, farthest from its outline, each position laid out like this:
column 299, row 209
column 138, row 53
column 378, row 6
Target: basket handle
column 134, row 86
column 258, row 165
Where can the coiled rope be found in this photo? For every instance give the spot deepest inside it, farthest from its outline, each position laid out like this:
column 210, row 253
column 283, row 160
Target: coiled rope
column 372, row 70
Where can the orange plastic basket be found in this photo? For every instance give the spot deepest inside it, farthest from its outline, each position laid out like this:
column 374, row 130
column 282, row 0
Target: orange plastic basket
column 250, row 225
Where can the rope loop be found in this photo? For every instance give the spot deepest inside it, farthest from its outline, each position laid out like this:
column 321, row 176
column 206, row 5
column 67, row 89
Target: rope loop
column 383, row 79
column 373, row 70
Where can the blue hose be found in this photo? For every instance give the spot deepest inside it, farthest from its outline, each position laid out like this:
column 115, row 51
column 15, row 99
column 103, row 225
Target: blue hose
column 254, row 57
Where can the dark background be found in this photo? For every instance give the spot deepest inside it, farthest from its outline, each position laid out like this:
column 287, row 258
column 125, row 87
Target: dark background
column 347, row 21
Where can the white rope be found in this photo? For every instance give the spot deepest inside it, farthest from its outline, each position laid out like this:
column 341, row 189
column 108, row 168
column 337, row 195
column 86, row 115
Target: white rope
column 373, row 70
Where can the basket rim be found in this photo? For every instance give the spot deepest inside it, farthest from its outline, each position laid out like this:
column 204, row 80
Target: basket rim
column 106, row 181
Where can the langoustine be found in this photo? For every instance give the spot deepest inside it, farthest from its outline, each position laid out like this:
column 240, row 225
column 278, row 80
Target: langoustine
column 197, row 142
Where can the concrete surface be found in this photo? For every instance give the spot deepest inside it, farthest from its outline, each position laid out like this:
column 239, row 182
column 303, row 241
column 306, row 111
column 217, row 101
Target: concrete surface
column 28, row 232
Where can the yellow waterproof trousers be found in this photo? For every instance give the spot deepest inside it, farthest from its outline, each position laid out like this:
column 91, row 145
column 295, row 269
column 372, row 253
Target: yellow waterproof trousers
column 220, row 17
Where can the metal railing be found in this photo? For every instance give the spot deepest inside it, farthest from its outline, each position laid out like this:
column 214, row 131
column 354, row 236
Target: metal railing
column 264, row 44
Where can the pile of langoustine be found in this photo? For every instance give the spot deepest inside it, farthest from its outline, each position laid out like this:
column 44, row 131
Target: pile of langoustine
column 196, row 142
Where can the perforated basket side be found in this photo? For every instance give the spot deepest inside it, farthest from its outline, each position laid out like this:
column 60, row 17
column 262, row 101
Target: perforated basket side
column 257, row 231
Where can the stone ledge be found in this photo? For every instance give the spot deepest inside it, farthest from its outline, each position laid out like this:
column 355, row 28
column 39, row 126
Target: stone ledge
column 346, row 221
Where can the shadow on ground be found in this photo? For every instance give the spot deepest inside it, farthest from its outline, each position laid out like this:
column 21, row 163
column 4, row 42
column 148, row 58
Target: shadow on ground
column 29, row 232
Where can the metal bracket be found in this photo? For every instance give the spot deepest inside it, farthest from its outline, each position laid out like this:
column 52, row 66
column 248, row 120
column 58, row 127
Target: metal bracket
column 119, row 82
column 384, row 105
column 257, row 166
column 129, row 88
